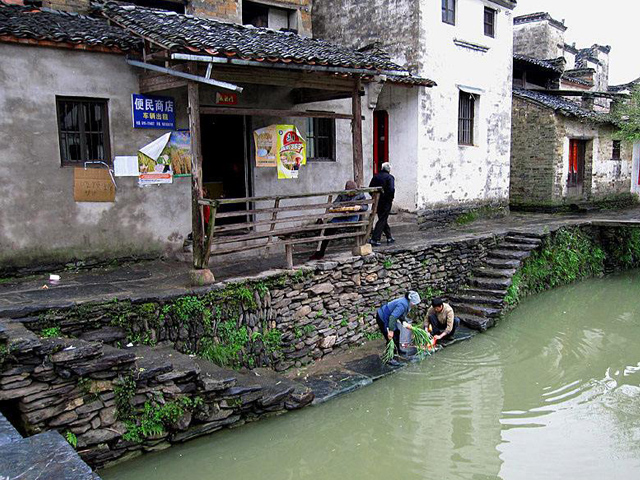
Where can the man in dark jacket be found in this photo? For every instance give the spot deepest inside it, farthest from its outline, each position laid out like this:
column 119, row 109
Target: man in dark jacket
column 385, row 180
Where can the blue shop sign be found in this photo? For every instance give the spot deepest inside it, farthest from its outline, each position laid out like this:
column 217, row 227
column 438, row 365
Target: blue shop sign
column 153, row 112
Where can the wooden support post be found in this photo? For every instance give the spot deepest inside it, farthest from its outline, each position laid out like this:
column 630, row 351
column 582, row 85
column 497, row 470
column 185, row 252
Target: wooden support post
column 209, row 232
column 356, row 134
column 288, row 248
column 197, row 222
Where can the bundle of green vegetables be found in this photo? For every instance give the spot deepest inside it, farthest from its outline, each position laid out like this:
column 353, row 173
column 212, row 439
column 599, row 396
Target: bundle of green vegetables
column 422, row 339
column 389, row 352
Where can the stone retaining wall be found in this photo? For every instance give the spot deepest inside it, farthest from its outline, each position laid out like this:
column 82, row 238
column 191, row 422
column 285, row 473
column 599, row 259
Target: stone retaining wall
column 114, row 403
column 442, row 217
column 284, row 320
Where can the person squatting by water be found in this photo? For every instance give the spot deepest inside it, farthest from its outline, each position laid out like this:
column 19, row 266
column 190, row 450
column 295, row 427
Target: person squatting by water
column 385, row 180
column 342, row 198
column 390, row 316
column 440, row 320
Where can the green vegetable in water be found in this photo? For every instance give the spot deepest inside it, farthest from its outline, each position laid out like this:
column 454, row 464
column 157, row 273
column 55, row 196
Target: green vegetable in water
column 389, row 352
column 423, row 340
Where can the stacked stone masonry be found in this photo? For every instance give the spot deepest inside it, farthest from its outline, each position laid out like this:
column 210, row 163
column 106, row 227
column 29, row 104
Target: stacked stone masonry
column 70, row 382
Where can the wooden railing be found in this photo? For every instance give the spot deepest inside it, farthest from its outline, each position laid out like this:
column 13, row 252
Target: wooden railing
column 299, row 224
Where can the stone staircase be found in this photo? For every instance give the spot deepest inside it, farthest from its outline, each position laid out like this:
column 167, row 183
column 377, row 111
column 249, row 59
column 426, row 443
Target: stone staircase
column 481, row 302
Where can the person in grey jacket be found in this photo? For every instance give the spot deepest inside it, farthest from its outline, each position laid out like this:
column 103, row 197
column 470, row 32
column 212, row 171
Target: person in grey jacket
column 342, row 198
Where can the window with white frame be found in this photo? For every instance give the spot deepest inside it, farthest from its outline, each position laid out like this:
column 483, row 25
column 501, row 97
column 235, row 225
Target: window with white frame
column 466, row 118
column 449, row 11
column 275, row 18
column 490, row 21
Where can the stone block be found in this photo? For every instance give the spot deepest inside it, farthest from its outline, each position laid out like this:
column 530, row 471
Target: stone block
column 362, row 250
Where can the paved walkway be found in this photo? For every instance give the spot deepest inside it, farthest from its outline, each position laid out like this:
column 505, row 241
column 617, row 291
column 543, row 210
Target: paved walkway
column 166, row 279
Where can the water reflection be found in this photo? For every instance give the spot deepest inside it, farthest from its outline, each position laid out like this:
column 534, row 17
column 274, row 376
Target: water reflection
column 553, row 392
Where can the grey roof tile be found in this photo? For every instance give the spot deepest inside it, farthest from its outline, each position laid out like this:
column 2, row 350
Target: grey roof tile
column 52, row 25
column 561, row 105
column 189, row 34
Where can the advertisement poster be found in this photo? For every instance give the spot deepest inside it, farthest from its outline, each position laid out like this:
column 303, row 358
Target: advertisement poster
column 280, row 146
column 153, row 112
column 165, row 157
column 291, row 151
column 266, row 143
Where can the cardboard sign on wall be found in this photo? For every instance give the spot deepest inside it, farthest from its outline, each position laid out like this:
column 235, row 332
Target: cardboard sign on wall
column 93, row 185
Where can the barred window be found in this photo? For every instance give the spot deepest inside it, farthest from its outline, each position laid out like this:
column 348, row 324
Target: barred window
column 84, row 130
column 466, row 114
column 449, row 11
column 489, row 22
column 321, row 138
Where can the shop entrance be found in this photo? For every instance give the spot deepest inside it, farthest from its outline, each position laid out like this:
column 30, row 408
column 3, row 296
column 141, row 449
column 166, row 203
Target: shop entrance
column 225, row 172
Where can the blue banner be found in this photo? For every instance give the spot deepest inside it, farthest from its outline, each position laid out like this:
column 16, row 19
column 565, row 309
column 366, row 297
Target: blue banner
column 153, row 112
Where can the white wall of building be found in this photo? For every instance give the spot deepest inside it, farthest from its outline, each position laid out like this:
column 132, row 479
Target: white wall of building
column 449, row 173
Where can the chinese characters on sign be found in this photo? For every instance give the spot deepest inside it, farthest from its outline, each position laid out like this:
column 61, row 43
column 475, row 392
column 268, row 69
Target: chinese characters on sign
column 153, row 112
column 226, row 98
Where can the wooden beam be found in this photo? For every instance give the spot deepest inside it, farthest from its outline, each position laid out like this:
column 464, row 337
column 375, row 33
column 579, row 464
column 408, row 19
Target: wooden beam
column 197, row 224
column 356, row 134
column 154, row 82
column 271, row 112
column 309, row 95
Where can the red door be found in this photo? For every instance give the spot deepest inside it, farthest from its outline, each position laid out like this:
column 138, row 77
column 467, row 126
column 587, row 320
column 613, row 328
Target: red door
column 575, row 180
column 380, row 139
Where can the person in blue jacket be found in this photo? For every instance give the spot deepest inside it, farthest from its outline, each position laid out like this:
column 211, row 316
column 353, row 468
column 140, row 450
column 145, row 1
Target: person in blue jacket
column 391, row 315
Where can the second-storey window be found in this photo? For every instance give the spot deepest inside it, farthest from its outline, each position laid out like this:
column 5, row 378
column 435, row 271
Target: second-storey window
column 449, row 11
column 321, row 139
column 83, row 127
column 466, row 115
column 489, row 22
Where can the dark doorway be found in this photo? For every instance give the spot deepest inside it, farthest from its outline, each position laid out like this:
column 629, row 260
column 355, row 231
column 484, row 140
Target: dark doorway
column 380, row 139
column 224, row 165
column 575, row 180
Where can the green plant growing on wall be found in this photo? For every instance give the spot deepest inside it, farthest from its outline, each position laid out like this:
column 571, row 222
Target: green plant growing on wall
column 567, row 256
column 387, row 263
column 625, row 250
column 225, row 349
column 430, row 292
column 466, row 218
column 71, row 438
column 154, row 418
column 51, row 332
column 124, row 390
column 372, row 335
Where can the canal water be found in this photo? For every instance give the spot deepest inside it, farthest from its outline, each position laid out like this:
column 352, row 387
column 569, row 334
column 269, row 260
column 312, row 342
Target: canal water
column 552, row 392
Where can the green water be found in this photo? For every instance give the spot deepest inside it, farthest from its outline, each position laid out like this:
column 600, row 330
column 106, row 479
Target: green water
column 553, row 392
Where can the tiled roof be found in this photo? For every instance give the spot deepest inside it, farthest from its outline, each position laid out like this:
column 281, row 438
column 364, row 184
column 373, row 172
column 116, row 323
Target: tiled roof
column 43, row 24
column 560, row 105
column 189, row 34
column 577, row 80
column 546, row 64
column 411, row 81
column 538, row 17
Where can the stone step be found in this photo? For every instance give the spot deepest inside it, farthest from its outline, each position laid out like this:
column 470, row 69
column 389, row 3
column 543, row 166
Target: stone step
column 529, row 235
column 483, row 292
column 475, row 322
column 490, row 283
column 520, row 247
column 461, row 299
column 509, row 254
column 495, row 272
column 478, row 310
column 533, row 242
column 502, row 263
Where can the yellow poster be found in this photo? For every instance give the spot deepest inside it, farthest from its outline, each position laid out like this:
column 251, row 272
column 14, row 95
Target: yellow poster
column 291, row 151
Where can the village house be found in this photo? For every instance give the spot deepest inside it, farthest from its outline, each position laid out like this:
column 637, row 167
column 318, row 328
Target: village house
column 450, row 145
column 72, row 85
column 563, row 147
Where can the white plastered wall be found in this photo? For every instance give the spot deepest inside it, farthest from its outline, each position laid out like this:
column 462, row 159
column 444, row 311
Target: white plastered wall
column 450, row 174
